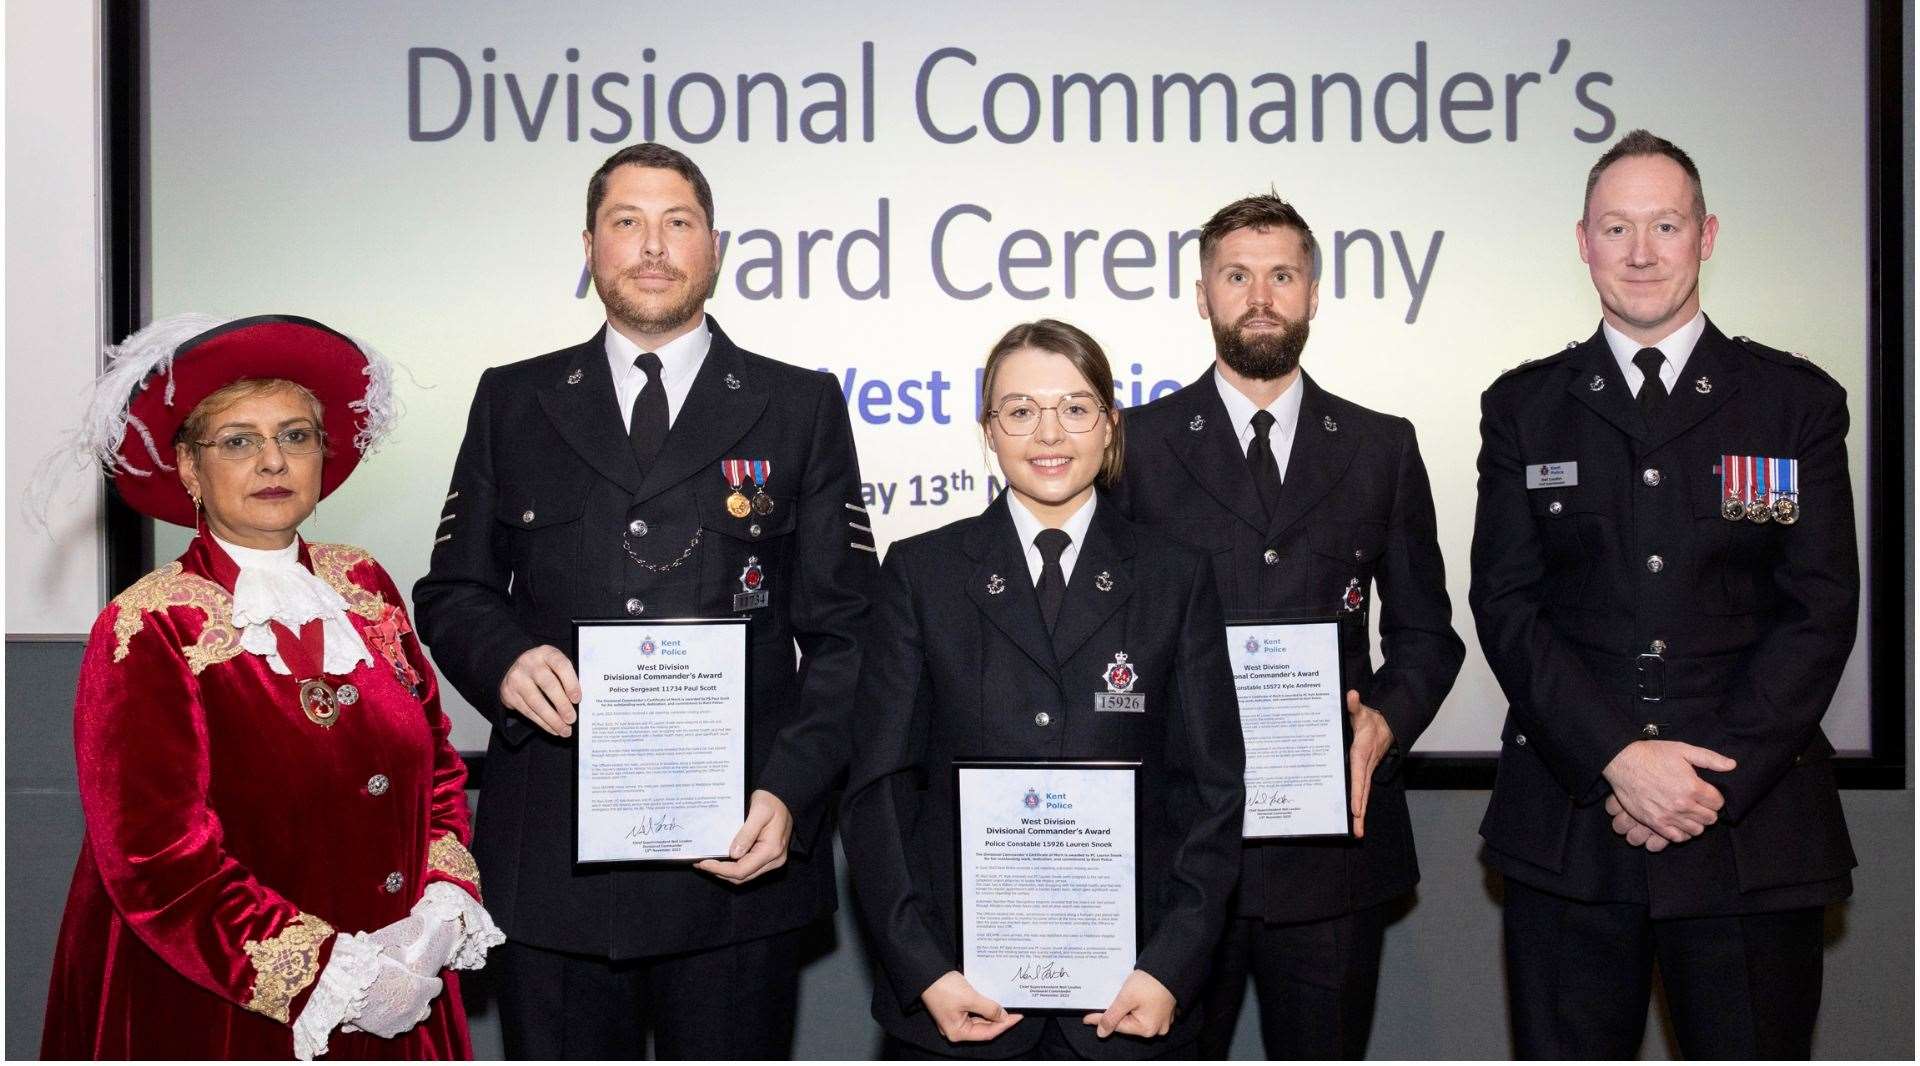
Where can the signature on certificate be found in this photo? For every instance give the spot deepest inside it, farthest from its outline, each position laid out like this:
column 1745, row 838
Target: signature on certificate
column 1040, row 971
column 649, row 824
column 1267, row 798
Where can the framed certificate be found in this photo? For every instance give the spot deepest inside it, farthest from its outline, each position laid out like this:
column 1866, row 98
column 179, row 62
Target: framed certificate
column 661, row 739
column 1293, row 718
column 1049, row 881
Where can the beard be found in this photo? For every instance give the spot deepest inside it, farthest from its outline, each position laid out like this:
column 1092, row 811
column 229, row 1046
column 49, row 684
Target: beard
column 1265, row 356
column 654, row 316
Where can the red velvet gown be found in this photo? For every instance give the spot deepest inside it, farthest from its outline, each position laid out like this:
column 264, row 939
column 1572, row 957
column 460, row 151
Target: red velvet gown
column 228, row 836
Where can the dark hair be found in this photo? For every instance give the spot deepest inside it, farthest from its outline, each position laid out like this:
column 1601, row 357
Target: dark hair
column 1261, row 212
column 648, row 154
column 1639, row 143
column 1072, row 343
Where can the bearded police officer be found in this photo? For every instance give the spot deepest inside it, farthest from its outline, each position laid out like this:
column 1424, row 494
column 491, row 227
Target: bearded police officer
column 657, row 470
column 1309, row 504
column 1665, row 584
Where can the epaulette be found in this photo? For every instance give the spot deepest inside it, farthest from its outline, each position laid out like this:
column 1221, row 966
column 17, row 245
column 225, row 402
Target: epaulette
column 1797, row 360
column 1536, row 364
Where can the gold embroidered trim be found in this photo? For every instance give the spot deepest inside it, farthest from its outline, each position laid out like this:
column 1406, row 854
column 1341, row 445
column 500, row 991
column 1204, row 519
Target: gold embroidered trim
column 285, row 964
column 332, row 563
column 171, row 586
column 450, row 857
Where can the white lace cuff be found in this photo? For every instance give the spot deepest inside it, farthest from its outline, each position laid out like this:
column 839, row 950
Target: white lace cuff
column 444, row 901
column 339, row 994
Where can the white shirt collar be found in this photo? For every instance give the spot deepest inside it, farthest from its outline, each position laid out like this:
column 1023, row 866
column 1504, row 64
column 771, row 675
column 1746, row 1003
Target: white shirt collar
column 1676, row 346
column 1026, row 527
column 680, row 360
column 1285, row 410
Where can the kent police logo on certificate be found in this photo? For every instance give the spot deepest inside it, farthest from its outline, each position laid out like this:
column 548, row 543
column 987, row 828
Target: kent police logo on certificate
column 1120, row 677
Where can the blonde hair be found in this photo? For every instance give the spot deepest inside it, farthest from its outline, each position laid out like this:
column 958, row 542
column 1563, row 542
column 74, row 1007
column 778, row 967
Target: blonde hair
column 226, row 396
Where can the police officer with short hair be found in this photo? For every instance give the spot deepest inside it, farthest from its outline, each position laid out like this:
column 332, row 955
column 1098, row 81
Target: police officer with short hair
column 1665, row 584
column 1308, row 504
column 656, row 470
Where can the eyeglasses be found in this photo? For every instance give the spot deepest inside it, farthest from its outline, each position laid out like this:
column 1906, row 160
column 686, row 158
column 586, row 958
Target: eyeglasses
column 1021, row 416
column 300, row 440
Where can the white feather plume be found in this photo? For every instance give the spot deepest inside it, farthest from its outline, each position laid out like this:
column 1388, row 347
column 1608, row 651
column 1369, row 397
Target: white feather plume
column 382, row 411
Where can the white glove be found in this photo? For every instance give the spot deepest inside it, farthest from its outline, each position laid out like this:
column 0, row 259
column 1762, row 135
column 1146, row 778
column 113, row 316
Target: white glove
column 398, row 1000
column 446, row 929
column 422, row 941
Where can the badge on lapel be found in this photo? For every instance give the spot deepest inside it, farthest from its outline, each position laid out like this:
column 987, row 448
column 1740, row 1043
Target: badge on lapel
column 1120, row 677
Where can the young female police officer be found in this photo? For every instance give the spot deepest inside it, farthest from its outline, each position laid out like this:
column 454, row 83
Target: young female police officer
column 990, row 638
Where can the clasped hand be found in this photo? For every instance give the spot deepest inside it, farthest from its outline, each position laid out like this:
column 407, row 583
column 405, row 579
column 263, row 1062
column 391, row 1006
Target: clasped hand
column 1658, row 797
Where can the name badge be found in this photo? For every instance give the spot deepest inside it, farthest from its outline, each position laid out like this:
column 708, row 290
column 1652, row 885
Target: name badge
column 1553, row 475
column 1130, row 702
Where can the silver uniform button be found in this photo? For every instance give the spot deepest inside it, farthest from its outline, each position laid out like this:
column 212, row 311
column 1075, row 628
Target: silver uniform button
column 526, row 516
column 1656, row 564
column 395, row 882
column 1659, row 647
column 1650, row 731
column 1555, row 507
column 637, row 527
column 753, row 530
column 1043, row 719
column 1650, row 476
column 635, row 607
column 378, row 784
column 1520, row 740
column 1271, row 557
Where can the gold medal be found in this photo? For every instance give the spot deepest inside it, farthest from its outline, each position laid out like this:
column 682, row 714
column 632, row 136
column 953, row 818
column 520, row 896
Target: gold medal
column 737, row 505
column 1786, row 510
column 316, row 699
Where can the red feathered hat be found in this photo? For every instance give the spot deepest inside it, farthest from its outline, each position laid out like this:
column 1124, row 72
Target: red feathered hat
column 159, row 375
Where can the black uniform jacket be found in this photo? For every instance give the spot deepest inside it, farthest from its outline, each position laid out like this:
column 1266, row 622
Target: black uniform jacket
column 1355, row 512
column 956, row 670
column 547, row 502
column 1630, row 584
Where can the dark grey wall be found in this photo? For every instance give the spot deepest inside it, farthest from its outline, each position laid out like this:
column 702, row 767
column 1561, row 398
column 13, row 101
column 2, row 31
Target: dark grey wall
column 1440, row 991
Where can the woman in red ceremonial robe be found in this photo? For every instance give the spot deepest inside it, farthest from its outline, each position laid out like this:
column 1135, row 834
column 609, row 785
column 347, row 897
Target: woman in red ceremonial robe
column 275, row 860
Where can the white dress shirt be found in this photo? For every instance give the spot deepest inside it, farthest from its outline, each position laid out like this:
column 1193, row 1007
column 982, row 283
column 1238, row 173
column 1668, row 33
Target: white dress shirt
column 1027, row 527
column 1285, row 410
column 1676, row 346
column 680, row 360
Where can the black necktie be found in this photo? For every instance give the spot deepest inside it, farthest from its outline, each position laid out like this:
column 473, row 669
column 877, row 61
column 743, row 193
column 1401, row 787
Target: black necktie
column 1266, row 472
column 648, row 429
column 1653, row 394
column 1053, row 580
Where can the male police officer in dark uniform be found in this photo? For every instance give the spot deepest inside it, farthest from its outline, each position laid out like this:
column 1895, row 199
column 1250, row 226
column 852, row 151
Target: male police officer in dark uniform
column 608, row 480
column 1307, row 502
column 1665, row 583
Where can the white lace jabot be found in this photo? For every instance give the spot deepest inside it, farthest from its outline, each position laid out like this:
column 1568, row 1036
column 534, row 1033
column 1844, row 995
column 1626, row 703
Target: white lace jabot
column 274, row 587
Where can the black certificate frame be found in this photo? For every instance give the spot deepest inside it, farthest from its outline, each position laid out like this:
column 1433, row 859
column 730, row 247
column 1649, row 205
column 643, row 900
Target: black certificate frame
column 1343, row 644
column 1131, row 766
column 746, row 737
